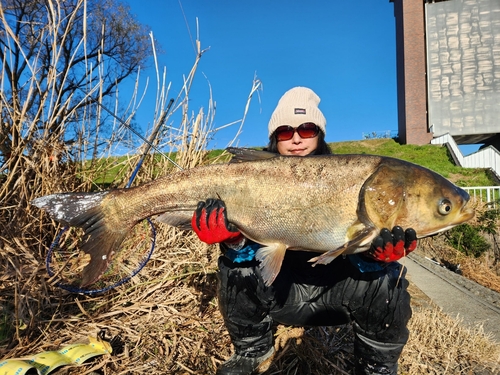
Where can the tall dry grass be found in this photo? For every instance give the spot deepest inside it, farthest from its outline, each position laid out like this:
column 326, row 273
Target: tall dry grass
column 41, row 161
column 167, row 315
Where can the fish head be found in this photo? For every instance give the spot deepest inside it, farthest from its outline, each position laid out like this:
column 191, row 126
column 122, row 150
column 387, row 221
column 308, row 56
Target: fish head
column 415, row 197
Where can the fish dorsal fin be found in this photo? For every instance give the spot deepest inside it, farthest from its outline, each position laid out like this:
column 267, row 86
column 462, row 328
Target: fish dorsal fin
column 248, row 154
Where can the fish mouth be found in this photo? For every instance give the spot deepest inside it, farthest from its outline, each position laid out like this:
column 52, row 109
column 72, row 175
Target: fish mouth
column 468, row 210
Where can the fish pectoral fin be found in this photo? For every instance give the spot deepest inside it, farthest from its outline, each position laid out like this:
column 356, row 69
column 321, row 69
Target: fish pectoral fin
column 248, row 154
column 361, row 238
column 271, row 258
column 178, row 219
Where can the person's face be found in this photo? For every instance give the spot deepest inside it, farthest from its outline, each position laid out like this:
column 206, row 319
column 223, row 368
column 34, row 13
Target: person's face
column 297, row 145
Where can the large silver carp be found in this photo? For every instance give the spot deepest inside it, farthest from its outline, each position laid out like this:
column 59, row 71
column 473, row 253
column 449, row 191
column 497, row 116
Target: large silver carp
column 331, row 204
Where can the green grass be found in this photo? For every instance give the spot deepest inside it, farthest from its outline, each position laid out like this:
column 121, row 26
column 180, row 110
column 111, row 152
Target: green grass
column 434, row 157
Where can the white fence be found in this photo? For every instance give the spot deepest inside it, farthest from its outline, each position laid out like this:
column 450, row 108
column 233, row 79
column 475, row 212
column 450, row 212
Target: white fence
column 486, row 193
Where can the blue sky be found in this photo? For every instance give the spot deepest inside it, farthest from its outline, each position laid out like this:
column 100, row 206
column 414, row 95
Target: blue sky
column 343, row 50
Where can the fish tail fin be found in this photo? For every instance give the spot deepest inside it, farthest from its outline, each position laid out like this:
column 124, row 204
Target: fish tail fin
column 84, row 210
column 271, row 258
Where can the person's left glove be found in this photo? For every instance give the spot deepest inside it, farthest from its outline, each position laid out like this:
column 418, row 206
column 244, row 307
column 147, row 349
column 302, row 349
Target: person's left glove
column 210, row 223
column 391, row 246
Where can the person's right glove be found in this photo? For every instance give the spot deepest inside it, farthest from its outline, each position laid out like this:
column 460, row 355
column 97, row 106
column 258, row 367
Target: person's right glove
column 210, row 223
column 391, row 246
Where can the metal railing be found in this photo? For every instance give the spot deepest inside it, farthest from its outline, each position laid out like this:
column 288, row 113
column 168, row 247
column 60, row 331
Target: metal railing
column 487, row 194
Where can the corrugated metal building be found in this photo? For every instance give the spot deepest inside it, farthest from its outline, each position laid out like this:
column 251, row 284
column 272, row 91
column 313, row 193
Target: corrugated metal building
column 448, row 64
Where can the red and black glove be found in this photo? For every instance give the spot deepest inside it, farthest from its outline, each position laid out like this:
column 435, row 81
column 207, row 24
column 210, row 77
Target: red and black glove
column 391, row 246
column 210, row 223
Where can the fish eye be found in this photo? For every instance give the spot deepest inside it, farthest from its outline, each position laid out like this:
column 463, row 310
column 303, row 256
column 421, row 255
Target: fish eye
column 444, row 207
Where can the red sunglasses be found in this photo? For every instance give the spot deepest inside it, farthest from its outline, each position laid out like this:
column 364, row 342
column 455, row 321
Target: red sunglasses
column 306, row 130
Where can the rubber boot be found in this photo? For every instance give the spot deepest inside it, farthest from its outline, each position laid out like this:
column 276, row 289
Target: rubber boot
column 364, row 367
column 374, row 357
column 242, row 365
column 244, row 305
column 370, row 367
column 376, row 369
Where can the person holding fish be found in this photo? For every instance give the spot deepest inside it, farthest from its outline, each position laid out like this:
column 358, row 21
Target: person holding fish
column 285, row 206
column 367, row 289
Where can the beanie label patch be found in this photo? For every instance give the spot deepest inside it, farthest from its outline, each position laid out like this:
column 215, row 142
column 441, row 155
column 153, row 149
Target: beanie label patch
column 300, row 111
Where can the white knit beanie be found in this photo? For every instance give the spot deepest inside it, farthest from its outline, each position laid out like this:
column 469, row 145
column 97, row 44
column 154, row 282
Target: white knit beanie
column 297, row 106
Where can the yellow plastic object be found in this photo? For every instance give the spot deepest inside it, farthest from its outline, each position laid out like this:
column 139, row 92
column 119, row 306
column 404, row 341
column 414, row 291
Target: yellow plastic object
column 46, row 362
